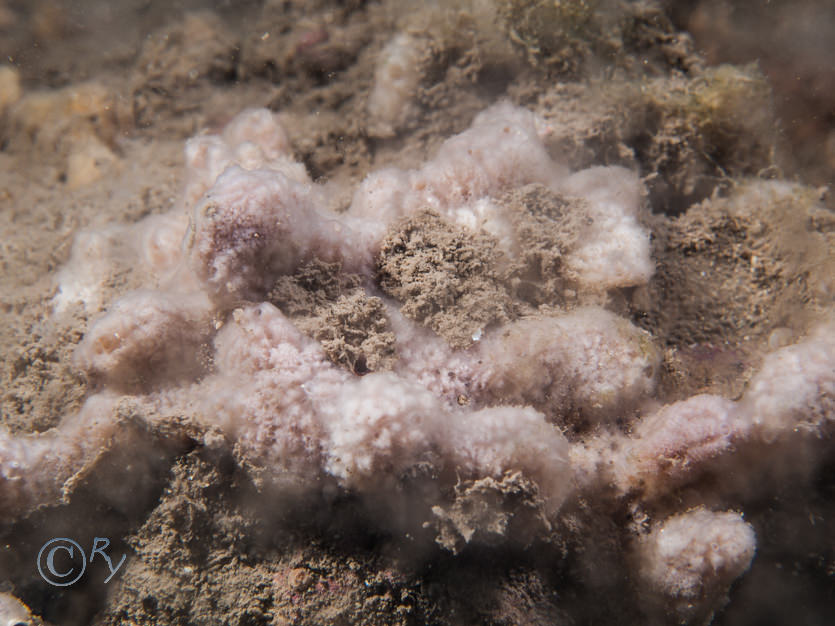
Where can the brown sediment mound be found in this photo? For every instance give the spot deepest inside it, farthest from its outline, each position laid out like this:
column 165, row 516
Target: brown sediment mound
column 734, row 269
column 445, row 276
column 211, row 553
column 192, row 559
column 547, row 225
column 736, row 276
column 688, row 134
column 691, row 134
column 334, row 309
column 492, row 511
column 315, row 284
column 354, row 332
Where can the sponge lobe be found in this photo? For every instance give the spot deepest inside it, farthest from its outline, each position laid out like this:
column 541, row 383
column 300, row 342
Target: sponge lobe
column 690, row 560
column 253, row 226
column 146, row 337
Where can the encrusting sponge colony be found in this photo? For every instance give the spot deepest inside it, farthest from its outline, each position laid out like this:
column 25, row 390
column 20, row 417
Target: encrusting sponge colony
column 562, row 397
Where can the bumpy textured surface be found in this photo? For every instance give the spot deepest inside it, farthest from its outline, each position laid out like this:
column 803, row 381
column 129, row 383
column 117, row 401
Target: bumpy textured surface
column 274, row 391
column 474, row 413
column 474, row 321
column 480, row 413
column 694, row 556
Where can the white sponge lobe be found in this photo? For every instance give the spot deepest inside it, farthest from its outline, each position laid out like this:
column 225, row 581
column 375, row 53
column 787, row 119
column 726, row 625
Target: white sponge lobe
column 396, row 79
column 616, row 250
column 691, row 559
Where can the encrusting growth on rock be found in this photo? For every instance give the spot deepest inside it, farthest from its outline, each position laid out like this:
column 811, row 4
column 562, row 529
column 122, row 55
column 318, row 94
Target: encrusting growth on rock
column 412, row 351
